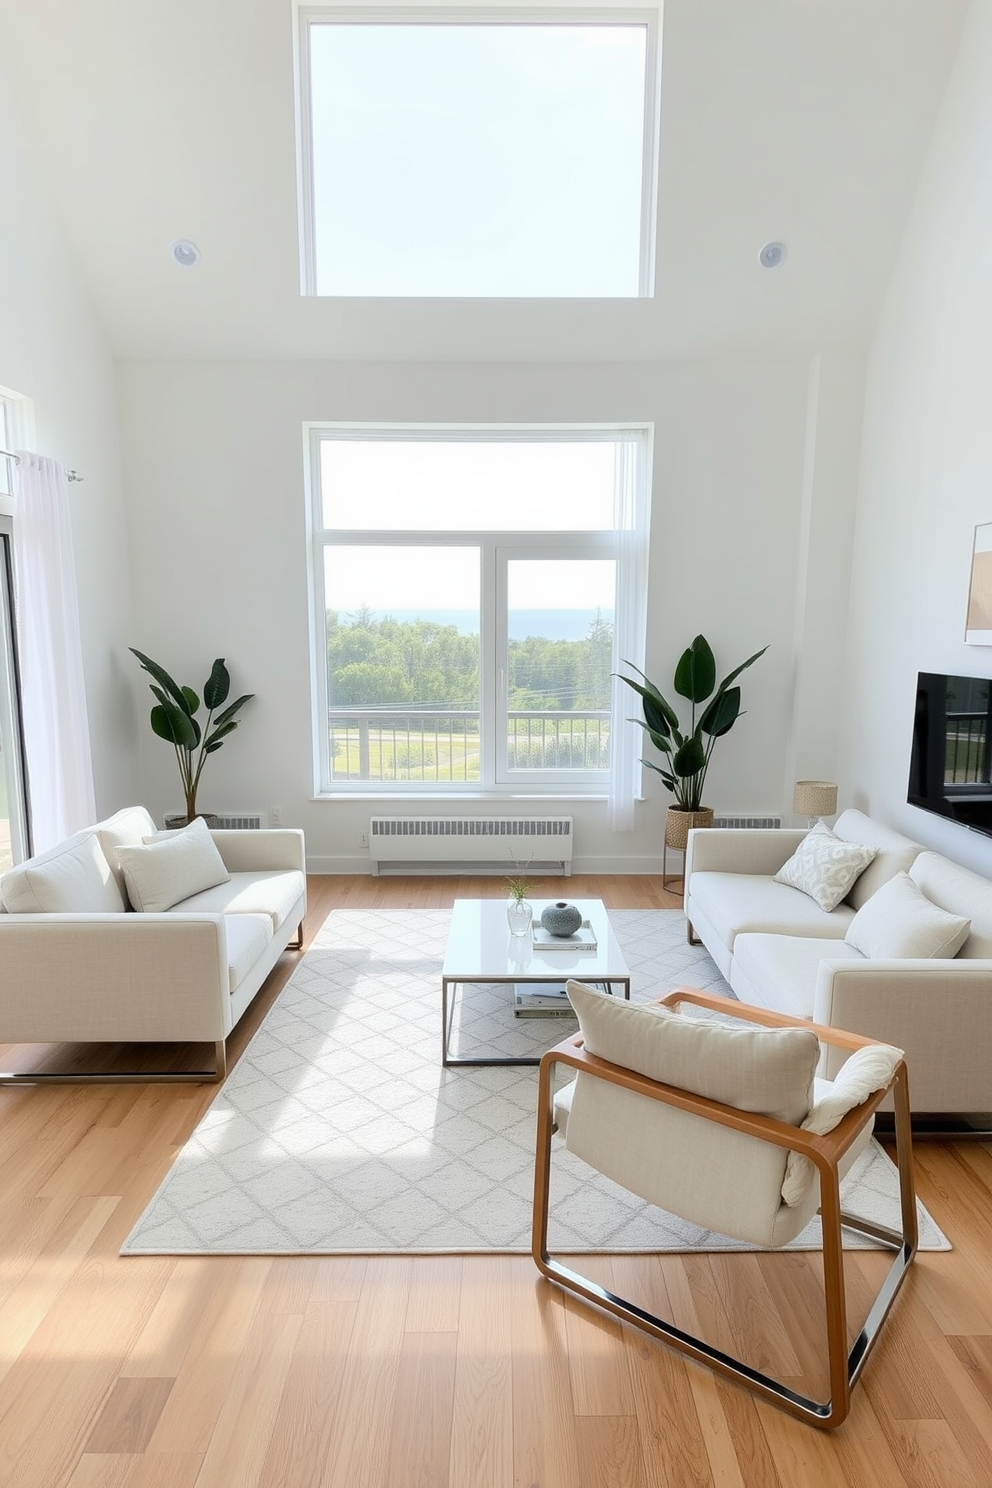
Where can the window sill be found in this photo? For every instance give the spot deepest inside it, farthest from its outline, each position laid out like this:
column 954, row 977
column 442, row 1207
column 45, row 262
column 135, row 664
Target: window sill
column 491, row 798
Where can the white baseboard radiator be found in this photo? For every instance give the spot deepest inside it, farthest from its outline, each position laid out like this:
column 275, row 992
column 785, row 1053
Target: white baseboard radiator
column 747, row 821
column 474, row 844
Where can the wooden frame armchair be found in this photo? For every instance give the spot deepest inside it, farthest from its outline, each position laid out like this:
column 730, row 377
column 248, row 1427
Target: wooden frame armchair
column 633, row 1096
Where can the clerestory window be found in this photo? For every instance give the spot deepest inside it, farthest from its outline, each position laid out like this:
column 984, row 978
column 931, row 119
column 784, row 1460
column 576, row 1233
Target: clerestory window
column 473, row 593
column 478, row 154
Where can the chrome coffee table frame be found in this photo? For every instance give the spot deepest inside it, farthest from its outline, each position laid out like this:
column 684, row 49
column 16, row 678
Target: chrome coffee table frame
column 481, row 950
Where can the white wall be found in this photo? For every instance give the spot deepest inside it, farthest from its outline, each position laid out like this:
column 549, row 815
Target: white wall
column 753, row 497
column 53, row 352
column 927, row 462
column 214, row 462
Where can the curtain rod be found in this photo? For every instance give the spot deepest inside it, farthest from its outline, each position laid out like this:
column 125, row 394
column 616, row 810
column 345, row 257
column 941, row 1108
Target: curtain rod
column 9, row 455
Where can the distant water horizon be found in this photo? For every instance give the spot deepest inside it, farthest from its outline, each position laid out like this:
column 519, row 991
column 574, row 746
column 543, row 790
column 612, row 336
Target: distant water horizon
column 554, row 625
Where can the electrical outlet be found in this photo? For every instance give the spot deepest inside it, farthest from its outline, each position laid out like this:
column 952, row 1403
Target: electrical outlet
column 363, row 840
column 275, row 816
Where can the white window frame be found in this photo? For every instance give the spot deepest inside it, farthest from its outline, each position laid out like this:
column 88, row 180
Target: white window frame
column 12, row 762
column 8, row 438
column 17, row 430
column 568, row 545
column 497, row 548
column 649, row 18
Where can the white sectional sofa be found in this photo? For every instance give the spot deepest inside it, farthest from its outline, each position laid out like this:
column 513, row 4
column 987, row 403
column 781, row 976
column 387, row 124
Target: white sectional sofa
column 80, row 964
column 778, row 949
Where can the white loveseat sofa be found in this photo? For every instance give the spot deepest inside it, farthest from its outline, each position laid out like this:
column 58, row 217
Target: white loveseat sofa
column 779, row 950
column 79, row 964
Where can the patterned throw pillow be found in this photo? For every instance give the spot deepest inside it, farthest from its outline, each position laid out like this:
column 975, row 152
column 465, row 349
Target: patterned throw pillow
column 824, row 867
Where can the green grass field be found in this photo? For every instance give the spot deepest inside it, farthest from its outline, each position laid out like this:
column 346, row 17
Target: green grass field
column 412, row 757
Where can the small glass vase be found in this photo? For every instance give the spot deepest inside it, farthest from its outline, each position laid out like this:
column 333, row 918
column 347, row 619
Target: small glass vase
column 520, row 916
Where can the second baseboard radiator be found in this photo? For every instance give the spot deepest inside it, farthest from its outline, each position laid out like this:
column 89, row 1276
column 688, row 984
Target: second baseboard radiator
column 747, row 821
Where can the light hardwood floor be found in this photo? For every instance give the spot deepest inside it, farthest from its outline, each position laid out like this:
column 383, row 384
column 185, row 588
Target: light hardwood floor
column 293, row 1372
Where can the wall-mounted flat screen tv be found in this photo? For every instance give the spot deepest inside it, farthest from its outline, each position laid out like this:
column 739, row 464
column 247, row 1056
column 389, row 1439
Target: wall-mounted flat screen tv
column 949, row 771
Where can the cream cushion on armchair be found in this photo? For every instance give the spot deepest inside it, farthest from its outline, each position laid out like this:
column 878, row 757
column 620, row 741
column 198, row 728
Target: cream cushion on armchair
column 676, row 1159
column 680, row 1161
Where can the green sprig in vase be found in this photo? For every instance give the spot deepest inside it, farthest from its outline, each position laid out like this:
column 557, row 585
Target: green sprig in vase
column 519, row 910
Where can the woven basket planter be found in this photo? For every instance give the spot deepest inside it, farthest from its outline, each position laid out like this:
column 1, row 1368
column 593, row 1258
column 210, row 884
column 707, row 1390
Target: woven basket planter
column 678, row 825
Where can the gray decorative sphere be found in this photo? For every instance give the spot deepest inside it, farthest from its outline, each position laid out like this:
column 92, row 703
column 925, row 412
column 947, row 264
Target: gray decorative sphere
column 561, row 918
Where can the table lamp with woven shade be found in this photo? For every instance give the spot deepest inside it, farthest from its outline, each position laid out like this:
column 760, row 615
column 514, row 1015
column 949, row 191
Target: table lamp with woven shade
column 814, row 798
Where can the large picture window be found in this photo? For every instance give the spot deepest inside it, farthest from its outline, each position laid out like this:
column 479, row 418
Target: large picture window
column 473, row 593
column 458, row 154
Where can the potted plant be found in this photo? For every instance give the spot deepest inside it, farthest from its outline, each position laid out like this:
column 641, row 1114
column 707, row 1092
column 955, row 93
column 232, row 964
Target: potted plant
column 174, row 719
column 688, row 750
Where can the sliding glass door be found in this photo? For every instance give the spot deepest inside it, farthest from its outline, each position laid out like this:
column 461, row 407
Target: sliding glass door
column 14, row 836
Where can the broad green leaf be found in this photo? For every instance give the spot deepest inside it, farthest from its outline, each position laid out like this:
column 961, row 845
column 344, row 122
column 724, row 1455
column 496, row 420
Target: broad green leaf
column 722, row 713
column 217, row 736
column 666, row 775
column 656, row 719
column 695, row 674
column 161, row 676
column 217, row 685
column 233, row 708
column 661, row 716
column 664, row 742
column 742, row 668
column 192, row 700
column 172, row 724
column 690, row 759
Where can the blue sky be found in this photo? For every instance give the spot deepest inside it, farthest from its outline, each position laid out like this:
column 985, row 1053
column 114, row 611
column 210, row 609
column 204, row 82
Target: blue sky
column 473, row 160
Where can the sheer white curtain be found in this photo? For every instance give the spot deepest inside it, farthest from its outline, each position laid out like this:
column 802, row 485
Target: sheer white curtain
column 631, row 516
column 53, row 696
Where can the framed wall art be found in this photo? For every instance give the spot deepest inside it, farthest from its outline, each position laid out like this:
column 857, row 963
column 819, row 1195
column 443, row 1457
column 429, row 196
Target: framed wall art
column 978, row 625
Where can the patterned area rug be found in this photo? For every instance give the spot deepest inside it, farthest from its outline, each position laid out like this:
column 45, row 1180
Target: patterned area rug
column 338, row 1130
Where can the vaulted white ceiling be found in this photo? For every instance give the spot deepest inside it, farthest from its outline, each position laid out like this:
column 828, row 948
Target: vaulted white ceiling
column 801, row 120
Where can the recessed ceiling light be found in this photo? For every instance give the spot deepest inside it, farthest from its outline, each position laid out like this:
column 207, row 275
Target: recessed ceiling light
column 771, row 255
column 185, row 253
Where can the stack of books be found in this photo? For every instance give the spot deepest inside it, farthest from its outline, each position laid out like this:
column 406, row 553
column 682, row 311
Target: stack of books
column 584, row 939
column 541, row 1000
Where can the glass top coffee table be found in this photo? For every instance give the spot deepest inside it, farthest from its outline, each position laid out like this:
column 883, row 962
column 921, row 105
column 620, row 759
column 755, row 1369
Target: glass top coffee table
column 482, row 950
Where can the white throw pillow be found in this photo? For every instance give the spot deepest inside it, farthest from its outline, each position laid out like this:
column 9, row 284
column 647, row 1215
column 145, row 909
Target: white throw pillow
column 73, row 878
column 899, row 921
column 763, row 1070
column 824, row 867
column 866, row 1071
column 161, row 874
